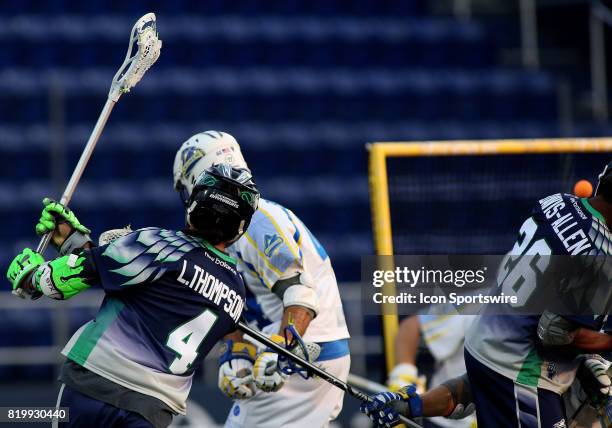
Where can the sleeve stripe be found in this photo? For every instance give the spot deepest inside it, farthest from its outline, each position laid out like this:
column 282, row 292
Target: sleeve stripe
column 434, row 337
column 280, row 232
column 429, row 322
column 297, row 236
column 262, row 255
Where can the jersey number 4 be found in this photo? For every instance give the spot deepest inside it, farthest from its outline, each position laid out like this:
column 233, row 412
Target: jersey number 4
column 186, row 339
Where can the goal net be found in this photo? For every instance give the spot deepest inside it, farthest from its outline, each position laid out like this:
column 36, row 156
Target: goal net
column 467, row 197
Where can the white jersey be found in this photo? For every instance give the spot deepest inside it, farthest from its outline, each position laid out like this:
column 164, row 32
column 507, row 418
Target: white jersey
column 444, row 336
column 277, row 245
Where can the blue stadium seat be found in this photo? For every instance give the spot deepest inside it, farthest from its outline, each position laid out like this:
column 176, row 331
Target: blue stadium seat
column 304, row 85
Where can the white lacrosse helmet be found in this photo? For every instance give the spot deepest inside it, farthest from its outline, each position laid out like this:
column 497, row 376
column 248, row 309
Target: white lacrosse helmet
column 199, row 153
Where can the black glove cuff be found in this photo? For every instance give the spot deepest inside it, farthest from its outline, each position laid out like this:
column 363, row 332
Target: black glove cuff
column 402, row 407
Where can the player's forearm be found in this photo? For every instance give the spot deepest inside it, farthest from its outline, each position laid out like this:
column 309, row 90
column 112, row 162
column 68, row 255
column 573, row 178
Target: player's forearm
column 300, row 301
column 407, row 341
column 452, row 399
column 437, row 402
column 297, row 316
column 591, row 341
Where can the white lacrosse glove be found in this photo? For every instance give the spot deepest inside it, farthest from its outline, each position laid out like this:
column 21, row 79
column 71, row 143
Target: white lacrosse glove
column 271, row 369
column 406, row 374
column 595, row 379
column 236, row 370
column 266, row 373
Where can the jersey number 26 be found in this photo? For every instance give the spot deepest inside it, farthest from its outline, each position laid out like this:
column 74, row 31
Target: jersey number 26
column 520, row 268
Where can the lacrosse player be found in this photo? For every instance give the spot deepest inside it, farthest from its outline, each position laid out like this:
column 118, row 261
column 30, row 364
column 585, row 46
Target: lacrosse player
column 169, row 297
column 290, row 283
column 520, row 365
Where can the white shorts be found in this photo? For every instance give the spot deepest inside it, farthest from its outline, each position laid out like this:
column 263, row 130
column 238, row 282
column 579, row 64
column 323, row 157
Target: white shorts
column 307, row 403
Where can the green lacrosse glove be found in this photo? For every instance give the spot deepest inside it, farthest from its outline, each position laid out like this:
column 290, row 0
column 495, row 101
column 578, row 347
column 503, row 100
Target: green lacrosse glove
column 54, row 211
column 21, row 267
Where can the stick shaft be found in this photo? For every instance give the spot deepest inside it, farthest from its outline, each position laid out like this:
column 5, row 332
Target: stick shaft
column 262, row 338
column 80, row 167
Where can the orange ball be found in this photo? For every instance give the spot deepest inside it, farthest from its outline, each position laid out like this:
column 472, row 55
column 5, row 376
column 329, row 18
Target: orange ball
column 583, row 189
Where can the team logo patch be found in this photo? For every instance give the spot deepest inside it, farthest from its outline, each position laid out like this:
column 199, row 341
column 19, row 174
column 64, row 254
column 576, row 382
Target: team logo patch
column 189, row 157
column 249, row 197
column 271, row 244
column 208, row 180
column 236, row 410
column 560, row 424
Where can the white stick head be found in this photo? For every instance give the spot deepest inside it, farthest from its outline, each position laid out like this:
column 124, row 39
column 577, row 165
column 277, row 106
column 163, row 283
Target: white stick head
column 148, row 45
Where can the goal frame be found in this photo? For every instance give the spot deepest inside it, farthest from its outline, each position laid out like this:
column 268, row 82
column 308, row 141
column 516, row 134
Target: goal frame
column 379, row 152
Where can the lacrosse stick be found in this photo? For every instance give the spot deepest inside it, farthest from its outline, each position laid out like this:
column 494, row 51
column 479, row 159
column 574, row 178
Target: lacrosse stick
column 148, row 46
column 312, row 369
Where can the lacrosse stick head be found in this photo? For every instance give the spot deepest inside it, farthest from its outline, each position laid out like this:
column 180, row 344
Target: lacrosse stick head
column 112, row 235
column 148, row 46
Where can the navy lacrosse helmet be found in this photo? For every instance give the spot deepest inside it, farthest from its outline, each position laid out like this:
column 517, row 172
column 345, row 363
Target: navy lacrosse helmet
column 222, row 202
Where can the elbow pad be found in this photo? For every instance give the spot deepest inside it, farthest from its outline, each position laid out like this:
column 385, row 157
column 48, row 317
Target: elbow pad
column 554, row 330
column 62, row 278
column 293, row 292
column 301, row 295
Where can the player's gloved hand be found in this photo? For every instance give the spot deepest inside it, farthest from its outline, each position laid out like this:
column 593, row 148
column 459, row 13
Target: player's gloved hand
column 21, row 268
column 595, row 380
column 406, row 374
column 308, row 351
column 266, row 373
column 65, row 239
column 236, row 369
column 385, row 408
column 52, row 213
column 265, row 378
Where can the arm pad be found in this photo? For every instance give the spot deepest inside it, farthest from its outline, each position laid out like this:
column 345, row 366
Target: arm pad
column 294, row 292
column 74, row 242
column 301, row 295
column 554, row 330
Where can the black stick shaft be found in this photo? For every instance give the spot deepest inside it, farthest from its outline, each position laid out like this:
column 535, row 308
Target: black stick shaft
column 312, row 369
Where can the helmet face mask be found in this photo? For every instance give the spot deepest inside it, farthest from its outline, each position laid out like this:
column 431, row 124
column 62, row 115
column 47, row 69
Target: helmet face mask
column 222, row 203
column 604, row 183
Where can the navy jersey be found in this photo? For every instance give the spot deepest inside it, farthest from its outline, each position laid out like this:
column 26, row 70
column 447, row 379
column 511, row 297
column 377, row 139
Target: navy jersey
column 560, row 225
column 169, row 298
